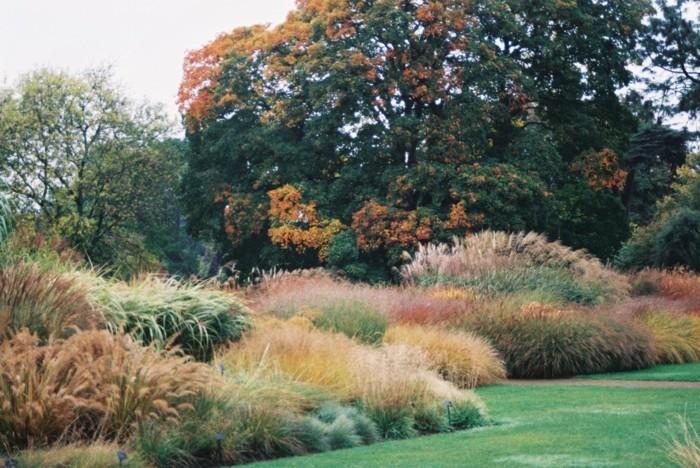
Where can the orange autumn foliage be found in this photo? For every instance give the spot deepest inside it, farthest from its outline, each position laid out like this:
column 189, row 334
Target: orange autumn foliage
column 378, row 226
column 601, row 170
column 297, row 225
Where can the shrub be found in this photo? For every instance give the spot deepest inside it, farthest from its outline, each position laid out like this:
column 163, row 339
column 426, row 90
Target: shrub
column 159, row 311
column 47, row 304
column 677, row 243
column 353, row 319
column 462, row 358
column 676, row 337
column 541, row 341
column 498, row 263
column 92, row 384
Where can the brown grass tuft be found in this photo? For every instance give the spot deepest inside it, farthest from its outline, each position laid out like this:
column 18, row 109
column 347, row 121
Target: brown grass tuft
column 91, row 385
column 50, row 305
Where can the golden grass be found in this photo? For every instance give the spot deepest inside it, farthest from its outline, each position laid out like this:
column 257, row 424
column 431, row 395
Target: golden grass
column 377, row 378
column 676, row 337
column 95, row 455
column 465, row 359
column 90, row 385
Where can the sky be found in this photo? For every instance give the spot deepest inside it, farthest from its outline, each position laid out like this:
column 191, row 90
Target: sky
column 144, row 41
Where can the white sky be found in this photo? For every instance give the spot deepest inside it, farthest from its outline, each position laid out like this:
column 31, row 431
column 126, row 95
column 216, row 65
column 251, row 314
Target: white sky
column 144, row 41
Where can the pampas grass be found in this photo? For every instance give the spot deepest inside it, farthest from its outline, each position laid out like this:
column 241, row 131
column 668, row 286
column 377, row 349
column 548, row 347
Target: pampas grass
column 488, row 253
column 462, row 358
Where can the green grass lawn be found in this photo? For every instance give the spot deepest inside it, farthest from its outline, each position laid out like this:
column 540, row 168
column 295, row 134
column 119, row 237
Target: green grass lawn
column 673, row 373
column 553, row 426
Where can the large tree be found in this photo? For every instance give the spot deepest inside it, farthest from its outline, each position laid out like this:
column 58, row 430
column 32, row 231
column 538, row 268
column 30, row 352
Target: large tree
column 401, row 121
column 92, row 166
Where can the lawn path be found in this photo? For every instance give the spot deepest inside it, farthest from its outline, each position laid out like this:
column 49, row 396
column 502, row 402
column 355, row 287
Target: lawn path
column 605, row 383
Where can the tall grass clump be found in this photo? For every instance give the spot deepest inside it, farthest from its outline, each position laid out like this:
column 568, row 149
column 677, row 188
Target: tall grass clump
column 541, row 341
column 353, row 319
column 389, row 384
column 498, row 263
column 683, row 446
column 89, row 386
column 259, row 417
column 677, row 285
column 676, row 337
column 47, row 304
column 462, row 358
column 164, row 311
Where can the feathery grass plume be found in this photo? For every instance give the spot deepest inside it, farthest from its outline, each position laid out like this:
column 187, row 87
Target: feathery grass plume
column 542, row 341
column 164, row 311
column 489, row 260
column 676, row 337
column 683, row 446
column 90, row 385
column 465, row 359
column 388, row 384
column 48, row 304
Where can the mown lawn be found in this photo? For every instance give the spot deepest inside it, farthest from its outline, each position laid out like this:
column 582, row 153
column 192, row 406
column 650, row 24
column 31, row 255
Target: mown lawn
column 673, row 373
column 553, row 426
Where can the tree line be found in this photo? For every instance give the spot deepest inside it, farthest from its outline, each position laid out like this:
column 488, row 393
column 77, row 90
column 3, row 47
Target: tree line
column 357, row 129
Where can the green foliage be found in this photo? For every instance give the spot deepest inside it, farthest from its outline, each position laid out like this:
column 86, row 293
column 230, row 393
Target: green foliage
column 671, row 44
column 393, row 422
column 94, row 168
column 354, row 319
column 166, row 312
column 655, row 154
column 443, row 117
column 678, row 241
column 466, row 415
column 5, row 215
column 673, row 236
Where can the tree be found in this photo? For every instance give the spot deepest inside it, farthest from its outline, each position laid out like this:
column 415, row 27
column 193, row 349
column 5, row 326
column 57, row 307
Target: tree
column 673, row 237
column 406, row 120
column 89, row 163
column 672, row 45
column 655, row 154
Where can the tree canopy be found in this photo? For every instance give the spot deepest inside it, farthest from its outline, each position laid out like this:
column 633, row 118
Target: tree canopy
column 90, row 165
column 394, row 122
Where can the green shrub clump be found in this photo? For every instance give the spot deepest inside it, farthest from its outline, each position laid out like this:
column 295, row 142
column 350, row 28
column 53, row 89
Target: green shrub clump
column 354, row 319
